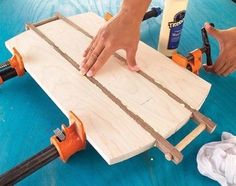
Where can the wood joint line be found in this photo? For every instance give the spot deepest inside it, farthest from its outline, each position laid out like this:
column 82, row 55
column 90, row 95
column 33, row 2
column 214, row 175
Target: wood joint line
column 161, row 142
column 143, row 74
column 171, row 152
column 54, row 18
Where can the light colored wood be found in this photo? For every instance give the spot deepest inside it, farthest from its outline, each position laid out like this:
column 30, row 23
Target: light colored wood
column 186, row 85
column 112, row 132
column 190, row 137
column 187, row 140
column 164, row 114
column 200, row 118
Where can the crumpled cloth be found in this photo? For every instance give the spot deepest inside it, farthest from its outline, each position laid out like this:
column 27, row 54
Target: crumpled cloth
column 217, row 160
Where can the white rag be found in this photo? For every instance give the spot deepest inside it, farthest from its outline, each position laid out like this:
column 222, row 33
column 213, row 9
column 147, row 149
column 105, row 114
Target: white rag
column 217, row 160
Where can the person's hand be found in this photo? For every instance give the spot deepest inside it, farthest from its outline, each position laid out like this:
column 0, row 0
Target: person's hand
column 226, row 61
column 121, row 32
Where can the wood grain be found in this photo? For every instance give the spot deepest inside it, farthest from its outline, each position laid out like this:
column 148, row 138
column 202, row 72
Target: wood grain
column 153, row 105
column 106, row 126
column 111, row 131
column 186, row 85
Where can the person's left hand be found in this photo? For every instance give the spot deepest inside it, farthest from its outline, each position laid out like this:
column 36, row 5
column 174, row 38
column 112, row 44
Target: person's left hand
column 226, row 61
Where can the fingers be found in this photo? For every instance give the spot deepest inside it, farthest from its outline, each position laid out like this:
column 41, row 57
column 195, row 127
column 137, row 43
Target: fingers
column 219, row 67
column 225, row 68
column 101, row 60
column 111, row 37
column 91, row 58
column 91, row 45
column 216, row 68
column 228, row 71
column 213, row 31
column 208, row 68
column 131, row 61
column 220, row 62
column 98, row 57
column 89, row 48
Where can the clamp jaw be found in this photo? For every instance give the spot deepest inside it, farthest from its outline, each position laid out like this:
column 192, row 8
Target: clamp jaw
column 71, row 139
column 13, row 67
column 63, row 144
column 193, row 61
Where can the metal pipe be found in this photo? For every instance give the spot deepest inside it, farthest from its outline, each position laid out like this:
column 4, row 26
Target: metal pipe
column 29, row 166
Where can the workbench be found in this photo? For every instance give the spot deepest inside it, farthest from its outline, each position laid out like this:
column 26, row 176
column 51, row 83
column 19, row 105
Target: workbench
column 28, row 116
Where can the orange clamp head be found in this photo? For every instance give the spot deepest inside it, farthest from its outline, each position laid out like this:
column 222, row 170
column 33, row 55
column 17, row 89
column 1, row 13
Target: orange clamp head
column 1, row 80
column 193, row 65
column 197, row 62
column 180, row 60
column 75, row 138
column 108, row 16
column 17, row 63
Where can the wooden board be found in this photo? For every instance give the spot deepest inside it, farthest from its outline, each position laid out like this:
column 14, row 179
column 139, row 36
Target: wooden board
column 189, row 87
column 113, row 133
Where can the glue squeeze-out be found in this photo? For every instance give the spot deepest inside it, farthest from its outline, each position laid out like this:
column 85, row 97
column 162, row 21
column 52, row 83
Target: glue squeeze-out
column 171, row 26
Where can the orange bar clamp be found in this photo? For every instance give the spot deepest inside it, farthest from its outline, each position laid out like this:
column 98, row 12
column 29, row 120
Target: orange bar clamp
column 13, row 67
column 65, row 143
column 74, row 141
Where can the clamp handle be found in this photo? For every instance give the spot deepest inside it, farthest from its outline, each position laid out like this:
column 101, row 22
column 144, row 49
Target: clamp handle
column 154, row 12
column 206, row 45
column 12, row 68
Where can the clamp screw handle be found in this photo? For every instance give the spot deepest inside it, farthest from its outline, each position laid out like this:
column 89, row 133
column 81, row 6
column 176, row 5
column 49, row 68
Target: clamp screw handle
column 59, row 134
column 154, row 12
column 12, row 68
column 206, row 45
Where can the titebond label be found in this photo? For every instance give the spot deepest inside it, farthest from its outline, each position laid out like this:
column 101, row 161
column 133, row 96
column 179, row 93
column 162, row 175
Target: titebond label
column 175, row 30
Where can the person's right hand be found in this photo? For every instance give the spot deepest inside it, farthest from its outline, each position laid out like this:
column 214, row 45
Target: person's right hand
column 121, row 32
column 226, row 61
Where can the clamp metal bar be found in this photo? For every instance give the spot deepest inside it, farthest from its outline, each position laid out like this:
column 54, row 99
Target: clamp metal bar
column 29, row 166
column 54, row 18
column 73, row 142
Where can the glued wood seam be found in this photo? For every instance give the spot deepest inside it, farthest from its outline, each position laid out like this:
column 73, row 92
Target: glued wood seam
column 161, row 142
column 210, row 125
column 146, row 76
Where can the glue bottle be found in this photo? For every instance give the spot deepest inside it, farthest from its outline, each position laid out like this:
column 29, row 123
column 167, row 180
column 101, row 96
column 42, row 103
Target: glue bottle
column 171, row 26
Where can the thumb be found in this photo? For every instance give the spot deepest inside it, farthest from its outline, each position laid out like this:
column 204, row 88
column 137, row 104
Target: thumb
column 131, row 61
column 208, row 68
column 212, row 31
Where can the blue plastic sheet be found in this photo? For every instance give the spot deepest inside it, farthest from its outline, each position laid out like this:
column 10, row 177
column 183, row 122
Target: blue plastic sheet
column 28, row 116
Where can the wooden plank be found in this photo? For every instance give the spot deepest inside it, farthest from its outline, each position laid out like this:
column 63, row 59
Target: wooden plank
column 112, row 132
column 153, row 105
column 186, row 85
column 106, row 134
